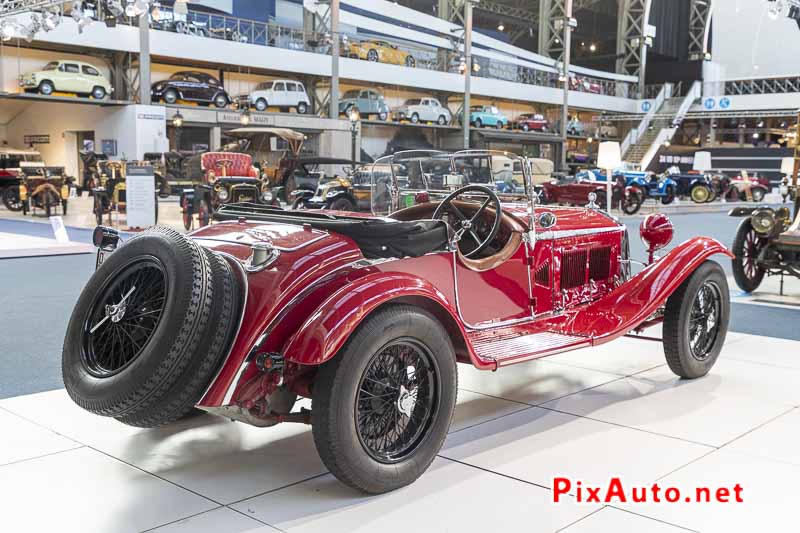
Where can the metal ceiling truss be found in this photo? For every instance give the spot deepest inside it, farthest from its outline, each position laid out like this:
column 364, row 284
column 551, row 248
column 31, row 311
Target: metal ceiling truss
column 550, row 38
column 700, row 115
column 699, row 25
column 15, row 7
column 631, row 38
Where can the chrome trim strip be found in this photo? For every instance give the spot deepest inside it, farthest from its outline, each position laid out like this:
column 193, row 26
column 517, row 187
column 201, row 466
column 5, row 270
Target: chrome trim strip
column 246, row 290
column 279, row 248
column 564, row 234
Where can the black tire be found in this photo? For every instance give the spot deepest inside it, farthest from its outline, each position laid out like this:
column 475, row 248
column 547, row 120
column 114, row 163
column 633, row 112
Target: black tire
column 631, row 204
column 684, row 359
column 526, row 128
column 98, row 93
column 98, row 212
column 383, row 115
column 170, row 96
column 164, row 380
column 220, row 101
column 302, row 108
column 373, row 56
column 499, row 125
column 203, row 214
column 336, row 390
column 746, row 246
column 64, row 207
column 26, row 206
column 261, row 104
column 48, row 205
column 600, row 201
column 11, row 198
column 415, row 118
column 411, row 62
column 669, row 197
column 342, row 204
column 46, row 87
column 187, row 215
column 298, row 203
column 442, row 120
column 478, row 123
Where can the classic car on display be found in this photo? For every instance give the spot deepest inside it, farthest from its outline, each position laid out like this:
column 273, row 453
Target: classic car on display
column 67, row 76
column 695, row 185
column 586, row 85
column 379, row 51
column 12, row 163
column 228, row 177
column 487, row 116
column 369, row 102
column 748, row 188
column 575, row 127
column 368, row 315
column 315, row 189
column 110, row 193
column 190, row 86
column 580, row 190
column 532, row 122
column 175, row 170
column 283, row 94
column 767, row 243
column 276, row 153
column 419, row 110
column 45, row 189
column 658, row 186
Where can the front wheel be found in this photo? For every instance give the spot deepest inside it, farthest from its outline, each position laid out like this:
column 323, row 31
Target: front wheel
column 302, row 108
column 342, row 204
column 11, row 198
column 700, row 194
column 478, row 123
column 220, row 101
column 632, row 202
column 415, row 118
column 669, row 196
column 747, row 246
column 382, row 406
column 758, row 195
column 98, row 93
column 696, row 322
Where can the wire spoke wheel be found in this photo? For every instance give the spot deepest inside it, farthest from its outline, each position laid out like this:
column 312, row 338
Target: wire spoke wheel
column 396, row 400
column 124, row 316
column 750, row 254
column 704, row 320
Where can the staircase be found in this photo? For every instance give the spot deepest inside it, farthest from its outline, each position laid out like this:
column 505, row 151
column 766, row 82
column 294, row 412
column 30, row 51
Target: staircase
column 638, row 150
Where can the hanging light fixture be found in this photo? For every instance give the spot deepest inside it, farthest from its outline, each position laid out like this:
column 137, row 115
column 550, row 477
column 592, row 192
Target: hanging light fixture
column 244, row 118
column 9, row 29
column 593, row 47
column 501, row 27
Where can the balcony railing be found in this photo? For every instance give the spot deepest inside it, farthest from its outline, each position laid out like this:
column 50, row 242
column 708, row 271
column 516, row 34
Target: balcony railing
column 789, row 84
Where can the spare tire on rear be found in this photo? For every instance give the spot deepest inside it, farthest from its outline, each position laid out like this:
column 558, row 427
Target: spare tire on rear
column 150, row 329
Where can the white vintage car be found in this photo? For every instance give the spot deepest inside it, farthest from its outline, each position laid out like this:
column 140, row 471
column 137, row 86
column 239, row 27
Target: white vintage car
column 423, row 110
column 283, row 94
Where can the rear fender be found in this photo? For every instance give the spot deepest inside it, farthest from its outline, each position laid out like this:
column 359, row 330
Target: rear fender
column 327, row 329
column 633, row 302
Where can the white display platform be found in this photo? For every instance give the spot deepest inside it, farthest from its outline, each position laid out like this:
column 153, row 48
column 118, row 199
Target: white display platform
column 16, row 245
column 614, row 410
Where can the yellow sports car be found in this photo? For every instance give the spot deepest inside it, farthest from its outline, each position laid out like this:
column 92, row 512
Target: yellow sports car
column 380, row 51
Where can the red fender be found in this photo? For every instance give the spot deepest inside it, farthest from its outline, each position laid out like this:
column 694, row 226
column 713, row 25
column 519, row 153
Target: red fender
column 327, row 329
column 630, row 304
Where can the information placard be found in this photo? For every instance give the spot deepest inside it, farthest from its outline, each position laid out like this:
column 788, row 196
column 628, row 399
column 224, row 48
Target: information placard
column 140, row 196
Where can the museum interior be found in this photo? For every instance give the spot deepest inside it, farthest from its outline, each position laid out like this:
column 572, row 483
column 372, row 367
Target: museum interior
column 388, row 258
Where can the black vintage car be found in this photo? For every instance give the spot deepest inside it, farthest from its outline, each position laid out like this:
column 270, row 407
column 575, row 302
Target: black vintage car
column 191, row 86
column 338, row 190
column 696, row 186
column 767, row 243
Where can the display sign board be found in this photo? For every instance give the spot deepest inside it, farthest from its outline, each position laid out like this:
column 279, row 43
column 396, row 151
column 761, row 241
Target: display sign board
column 140, row 196
column 109, row 146
column 256, row 119
column 59, row 230
column 36, row 139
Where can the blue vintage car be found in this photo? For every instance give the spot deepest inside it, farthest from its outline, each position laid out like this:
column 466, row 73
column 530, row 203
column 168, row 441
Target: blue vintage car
column 487, row 115
column 651, row 185
column 696, row 186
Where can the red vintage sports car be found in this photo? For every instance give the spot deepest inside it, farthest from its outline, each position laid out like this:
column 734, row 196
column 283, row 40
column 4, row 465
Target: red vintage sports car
column 368, row 315
column 575, row 190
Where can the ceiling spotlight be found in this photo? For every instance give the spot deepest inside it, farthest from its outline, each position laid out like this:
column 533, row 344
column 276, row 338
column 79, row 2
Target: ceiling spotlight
column 9, row 29
column 500, row 27
column 593, row 47
column 590, row 140
column 783, row 124
column 136, row 8
column 760, row 124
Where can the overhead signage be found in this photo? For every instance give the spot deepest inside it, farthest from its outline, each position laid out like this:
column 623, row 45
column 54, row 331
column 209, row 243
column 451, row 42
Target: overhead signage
column 256, row 119
column 36, row 139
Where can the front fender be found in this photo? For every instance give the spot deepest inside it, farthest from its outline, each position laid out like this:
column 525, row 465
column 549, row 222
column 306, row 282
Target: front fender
column 633, row 302
column 327, row 329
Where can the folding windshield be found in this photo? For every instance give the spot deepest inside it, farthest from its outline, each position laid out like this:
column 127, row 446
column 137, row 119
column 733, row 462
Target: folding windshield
column 408, row 178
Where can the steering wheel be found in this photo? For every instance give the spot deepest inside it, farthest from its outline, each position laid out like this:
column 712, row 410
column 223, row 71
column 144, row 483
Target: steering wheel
column 224, row 164
column 464, row 225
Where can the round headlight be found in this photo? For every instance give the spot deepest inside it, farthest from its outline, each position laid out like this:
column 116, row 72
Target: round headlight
column 763, row 221
column 267, row 196
column 222, row 194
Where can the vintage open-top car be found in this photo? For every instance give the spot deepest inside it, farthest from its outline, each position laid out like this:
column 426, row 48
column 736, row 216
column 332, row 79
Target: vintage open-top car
column 368, row 314
column 45, row 189
column 13, row 161
column 767, row 243
column 576, row 190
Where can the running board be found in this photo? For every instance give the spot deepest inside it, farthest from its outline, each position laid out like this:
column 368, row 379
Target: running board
column 503, row 349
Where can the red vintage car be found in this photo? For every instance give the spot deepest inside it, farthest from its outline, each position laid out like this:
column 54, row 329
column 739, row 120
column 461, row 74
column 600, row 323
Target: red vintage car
column 368, row 315
column 572, row 190
column 532, row 122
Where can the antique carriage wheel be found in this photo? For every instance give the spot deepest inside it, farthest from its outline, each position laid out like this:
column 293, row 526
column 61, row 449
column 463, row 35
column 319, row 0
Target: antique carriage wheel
column 188, row 217
column 747, row 245
column 696, row 321
column 382, row 406
column 11, row 198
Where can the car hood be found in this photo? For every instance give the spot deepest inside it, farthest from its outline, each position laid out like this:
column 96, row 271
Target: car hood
column 567, row 218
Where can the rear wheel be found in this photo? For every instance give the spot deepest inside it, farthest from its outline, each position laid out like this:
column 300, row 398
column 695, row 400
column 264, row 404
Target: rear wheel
column 372, row 55
column 700, row 194
column 410, row 61
column 525, row 127
column 221, row 101
column 478, row 123
column 669, row 196
column 98, row 93
column 46, row 88
column 696, row 322
column 150, row 329
column 342, row 204
column 383, row 115
column 632, row 202
column 442, row 120
column 302, row 108
column 188, row 219
column 415, row 118
column 11, row 198
column 203, row 214
column 171, row 96
column 261, row 104
column 382, row 406
column 747, row 245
